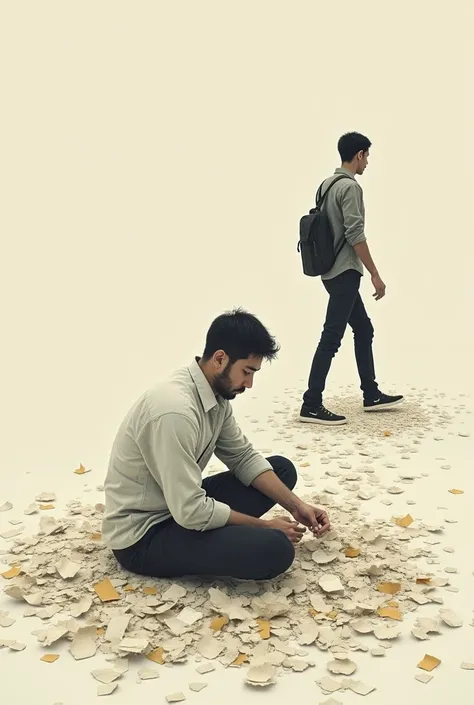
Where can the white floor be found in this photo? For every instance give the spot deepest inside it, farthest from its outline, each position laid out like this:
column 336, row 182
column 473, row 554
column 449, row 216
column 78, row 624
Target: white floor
column 158, row 160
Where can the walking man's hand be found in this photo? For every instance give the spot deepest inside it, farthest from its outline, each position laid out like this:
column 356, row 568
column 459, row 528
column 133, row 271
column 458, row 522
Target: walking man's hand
column 379, row 287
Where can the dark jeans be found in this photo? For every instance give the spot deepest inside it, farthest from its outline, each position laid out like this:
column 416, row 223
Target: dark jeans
column 345, row 307
column 246, row 552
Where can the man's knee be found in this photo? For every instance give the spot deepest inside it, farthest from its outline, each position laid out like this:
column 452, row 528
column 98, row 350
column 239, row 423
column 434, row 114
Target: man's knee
column 279, row 554
column 285, row 470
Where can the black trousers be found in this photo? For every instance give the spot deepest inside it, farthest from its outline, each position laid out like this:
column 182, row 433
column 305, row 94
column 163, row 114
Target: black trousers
column 345, row 307
column 250, row 553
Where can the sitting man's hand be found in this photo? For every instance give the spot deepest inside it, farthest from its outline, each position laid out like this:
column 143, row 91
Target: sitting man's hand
column 314, row 518
column 290, row 528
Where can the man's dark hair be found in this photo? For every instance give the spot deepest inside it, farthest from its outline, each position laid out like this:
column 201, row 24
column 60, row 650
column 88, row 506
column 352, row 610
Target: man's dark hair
column 240, row 335
column 350, row 144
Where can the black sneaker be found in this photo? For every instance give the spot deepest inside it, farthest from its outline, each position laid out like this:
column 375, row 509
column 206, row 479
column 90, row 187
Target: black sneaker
column 383, row 401
column 321, row 416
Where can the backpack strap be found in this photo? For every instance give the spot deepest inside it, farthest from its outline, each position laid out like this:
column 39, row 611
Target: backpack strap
column 321, row 197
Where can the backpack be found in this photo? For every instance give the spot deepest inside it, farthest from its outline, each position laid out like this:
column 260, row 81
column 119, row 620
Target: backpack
column 316, row 243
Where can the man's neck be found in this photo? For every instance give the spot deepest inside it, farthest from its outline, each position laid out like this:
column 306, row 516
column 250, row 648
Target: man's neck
column 350, row 167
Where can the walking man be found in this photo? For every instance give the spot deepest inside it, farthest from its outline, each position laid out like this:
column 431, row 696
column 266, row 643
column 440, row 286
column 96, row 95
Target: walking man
column 344, row 206
column 161, row 518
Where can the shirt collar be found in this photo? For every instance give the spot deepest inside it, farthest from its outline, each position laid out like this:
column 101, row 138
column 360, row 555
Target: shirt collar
column 204, row 389
column 346, row 172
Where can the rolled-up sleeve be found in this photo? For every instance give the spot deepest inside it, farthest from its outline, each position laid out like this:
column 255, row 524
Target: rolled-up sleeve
column 352, row 207
column 168, row 447
column 237, row 453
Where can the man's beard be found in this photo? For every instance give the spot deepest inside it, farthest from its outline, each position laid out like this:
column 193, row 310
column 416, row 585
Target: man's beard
column 222, row 385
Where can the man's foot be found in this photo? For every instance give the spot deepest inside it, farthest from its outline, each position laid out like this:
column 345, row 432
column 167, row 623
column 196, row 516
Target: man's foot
column 321, row 416
column 381, row 402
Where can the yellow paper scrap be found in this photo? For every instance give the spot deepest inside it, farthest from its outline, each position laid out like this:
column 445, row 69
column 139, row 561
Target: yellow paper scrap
column 81, row 470
column 96, row 536
column 456, row 491
column 263, row 628
column 387, row 433
column 219, row 622
column 106, row 591
column 129, row 588
column 423, row 581
column 150, row 590
column 392, row 603
column 404, row 521
column 46, row 506
column 333, row 614
column 49, row 658
column 389, row 588
column 304, row 465
column 100, row 631
column 241, row 659
column 390, row 613
column 157, row 656
column 12, row 573
column 351, row 552
column 429, row 663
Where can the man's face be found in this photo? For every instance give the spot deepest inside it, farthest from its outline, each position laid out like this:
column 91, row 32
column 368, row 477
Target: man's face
column 236, row 378
column 362, row 161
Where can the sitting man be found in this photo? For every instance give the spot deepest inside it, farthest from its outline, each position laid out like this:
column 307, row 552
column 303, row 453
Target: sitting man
column 162, row 519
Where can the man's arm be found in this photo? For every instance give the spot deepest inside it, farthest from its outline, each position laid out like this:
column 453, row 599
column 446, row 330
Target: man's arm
column 352, row 207
column 237, row 453
column 168, row 448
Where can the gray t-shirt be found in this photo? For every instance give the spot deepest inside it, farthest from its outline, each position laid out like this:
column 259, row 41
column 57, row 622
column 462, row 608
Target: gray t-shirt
column 344, row 206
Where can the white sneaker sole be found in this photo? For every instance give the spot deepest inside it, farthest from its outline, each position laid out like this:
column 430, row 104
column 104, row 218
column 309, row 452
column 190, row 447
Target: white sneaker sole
column 382, row 407
column 319, row 422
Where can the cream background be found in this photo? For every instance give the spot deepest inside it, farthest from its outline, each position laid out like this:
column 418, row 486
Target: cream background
column 155, row 160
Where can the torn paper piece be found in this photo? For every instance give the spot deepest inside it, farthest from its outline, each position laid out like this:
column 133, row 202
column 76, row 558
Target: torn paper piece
column 429, row 663
column 46, row 497
column 189, row 616
column 117, row 628
column 107, row 689
column 81, row 470
column 50, row 635
column 46, row 507
column 31, row 509
column 6, row 507
column 331, row 701
column 404, row 522
column 345, row 667
column 331, row 583
column 84, row 643
column 175, row 697
column 424, row 677
column 296, row 664
column 6, row 622
column 81, row 607
column 362, row 626
column 389, row 588
column 240, row 660
column 429, row 625
column 49, row 658
column 209, row 647
column 49, row 526
column 361, row 688
column 218, row 623
column 263, row 628
column 270, row 605
column 450, row 618
column 467, row 666
column 454, row 491
column 329, row 685
column 16, row 646
column 383, row 632
column 134, row 646
column 148, row 674
column 262, row 675
column 67, row 569
column 378, row 652
column 157, row 656
column 12, row 573
column 174, row 593
column 205, row 668
column 106, row 675
column 390, row 613
column 106, row 591
column 351, row 552
column 34, row 598
column 197, row 687
column 322, row 558
column 150, row 590
column 12, row 533
column 309, row 633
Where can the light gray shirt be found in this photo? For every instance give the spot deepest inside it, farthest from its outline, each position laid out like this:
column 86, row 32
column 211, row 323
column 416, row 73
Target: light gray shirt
column 158, row 456
column 344, row 206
